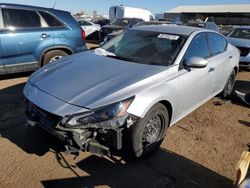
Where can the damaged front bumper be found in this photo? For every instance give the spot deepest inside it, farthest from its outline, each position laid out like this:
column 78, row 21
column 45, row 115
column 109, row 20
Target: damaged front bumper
column 99, row 140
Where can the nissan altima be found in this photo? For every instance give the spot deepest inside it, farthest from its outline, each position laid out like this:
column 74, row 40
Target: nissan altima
column 126, row 93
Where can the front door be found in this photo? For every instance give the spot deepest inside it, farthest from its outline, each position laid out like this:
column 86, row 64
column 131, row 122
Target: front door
column 195, row 85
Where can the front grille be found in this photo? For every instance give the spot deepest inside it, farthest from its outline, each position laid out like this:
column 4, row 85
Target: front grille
column 43, row 117
column 244, row 51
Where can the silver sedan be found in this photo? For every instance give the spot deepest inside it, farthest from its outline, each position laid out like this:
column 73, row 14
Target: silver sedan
column 240, row 37
column 130, row 90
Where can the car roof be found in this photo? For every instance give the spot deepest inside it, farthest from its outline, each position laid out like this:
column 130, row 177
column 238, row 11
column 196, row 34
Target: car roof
column 12, row 5
column 179, row 30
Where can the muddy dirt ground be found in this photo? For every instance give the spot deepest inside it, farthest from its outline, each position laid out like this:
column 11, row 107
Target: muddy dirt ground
column 199, row 151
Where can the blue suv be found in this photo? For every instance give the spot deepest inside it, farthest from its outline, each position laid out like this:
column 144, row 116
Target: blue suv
column 31, row 37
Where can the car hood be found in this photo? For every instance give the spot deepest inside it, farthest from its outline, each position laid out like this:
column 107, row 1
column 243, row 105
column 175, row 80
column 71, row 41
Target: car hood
column 90, row 80
column 240, row 42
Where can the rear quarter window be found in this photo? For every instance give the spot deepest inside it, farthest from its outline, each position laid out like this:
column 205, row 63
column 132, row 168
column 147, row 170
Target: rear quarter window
column 52, row 21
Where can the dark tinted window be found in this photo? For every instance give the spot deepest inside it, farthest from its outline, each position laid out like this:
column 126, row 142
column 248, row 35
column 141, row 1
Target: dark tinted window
column 51, row 20
column 20, row 18
column 120, row 22
column 217, row 44
column 240, row 33
column 198, row 47
column 102, row 22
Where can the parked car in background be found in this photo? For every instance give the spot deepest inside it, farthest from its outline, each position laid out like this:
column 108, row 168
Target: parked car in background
column 102, row 22
column 34, row 36
column 240, row 37
column 129, row 91
column 115, row 28
column 226, row 29
column 91, row 29
column 116, row 12
column 158, row 23
column 206, row 25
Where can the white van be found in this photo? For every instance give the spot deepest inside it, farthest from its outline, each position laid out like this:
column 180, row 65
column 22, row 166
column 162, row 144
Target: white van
column 129, row 12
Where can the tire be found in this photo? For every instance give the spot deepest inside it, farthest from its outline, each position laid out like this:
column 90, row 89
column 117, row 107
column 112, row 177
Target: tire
column 228, row 89
column 144, row 143
column 53, row 55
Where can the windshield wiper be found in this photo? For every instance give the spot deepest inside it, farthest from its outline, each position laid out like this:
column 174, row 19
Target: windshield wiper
column 120, row 58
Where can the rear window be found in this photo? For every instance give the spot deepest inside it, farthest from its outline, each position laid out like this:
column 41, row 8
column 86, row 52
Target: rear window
column 51, row 20
column 240, row 33
column 17, row 18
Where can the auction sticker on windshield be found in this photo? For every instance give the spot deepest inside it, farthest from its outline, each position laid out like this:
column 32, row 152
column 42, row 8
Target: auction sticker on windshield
column 169, row 37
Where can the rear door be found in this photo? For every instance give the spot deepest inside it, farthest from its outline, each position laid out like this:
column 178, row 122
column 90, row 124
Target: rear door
column 219, row 63
column 24, row 36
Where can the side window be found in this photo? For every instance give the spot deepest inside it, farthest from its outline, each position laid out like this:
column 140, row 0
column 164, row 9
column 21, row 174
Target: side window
column 18, row 18
column 198, row 47
column 217, row 43
column 51, row 20
column 83, row 23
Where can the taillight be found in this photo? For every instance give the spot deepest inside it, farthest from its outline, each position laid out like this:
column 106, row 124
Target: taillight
column 83, row 35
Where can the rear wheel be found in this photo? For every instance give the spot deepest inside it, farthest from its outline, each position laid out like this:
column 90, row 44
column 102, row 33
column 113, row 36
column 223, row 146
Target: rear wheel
column 53, row 55
column 228, row 89
column 148, row 133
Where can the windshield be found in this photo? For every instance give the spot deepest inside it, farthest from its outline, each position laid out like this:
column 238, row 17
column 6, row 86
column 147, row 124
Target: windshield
column 240, row 33
column 145, row 47
column 120, row 22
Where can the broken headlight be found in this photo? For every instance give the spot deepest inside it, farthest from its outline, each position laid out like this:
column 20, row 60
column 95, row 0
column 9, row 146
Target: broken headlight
column 106, row 117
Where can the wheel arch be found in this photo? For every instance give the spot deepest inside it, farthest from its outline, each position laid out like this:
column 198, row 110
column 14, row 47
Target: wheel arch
column 169, row 107
column 141, row 107
column 66, row 49
column 236, row 70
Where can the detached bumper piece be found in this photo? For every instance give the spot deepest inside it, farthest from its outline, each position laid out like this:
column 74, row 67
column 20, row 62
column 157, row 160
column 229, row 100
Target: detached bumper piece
column 94, row 140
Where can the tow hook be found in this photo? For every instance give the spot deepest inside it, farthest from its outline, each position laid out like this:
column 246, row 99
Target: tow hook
column 95, row 147
column 71, row 150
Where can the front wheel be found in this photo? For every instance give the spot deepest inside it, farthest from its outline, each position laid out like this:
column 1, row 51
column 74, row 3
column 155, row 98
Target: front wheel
column 228, row 89
column 148, row 133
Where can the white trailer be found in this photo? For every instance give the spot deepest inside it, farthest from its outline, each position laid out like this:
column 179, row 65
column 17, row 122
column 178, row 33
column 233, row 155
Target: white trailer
column 129, row 12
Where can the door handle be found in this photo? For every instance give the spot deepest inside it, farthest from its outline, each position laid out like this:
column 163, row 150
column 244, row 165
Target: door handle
column 211, row 69
column 44, row 36
column 230, row 57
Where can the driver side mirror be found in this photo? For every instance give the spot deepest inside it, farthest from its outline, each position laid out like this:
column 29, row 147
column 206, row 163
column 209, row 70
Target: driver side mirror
column 196, row 62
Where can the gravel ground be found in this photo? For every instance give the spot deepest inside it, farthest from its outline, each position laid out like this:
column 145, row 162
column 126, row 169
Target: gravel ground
column 199, row 151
